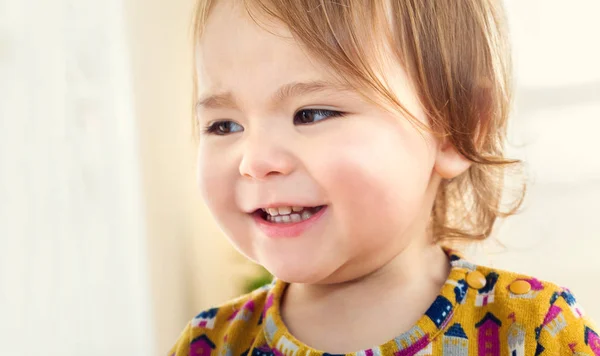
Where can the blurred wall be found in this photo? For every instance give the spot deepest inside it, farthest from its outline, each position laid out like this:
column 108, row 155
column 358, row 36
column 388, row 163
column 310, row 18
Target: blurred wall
column 73, row 257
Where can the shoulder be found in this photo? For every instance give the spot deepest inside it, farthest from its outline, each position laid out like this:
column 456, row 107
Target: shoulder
column 232, row 325
column 519, row 293
column 546, row 315
column 523, row 293
column 484, row 293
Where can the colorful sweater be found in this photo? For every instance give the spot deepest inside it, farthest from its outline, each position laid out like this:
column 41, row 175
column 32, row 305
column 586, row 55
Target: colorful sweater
column 479, row 311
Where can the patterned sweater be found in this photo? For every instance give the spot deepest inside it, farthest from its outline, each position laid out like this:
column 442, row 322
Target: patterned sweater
column 479, row 311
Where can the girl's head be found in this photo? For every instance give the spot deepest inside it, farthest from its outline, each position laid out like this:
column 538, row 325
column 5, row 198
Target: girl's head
column 388, row 115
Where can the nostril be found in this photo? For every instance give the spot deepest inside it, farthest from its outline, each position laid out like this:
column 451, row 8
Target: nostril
column 258, row 175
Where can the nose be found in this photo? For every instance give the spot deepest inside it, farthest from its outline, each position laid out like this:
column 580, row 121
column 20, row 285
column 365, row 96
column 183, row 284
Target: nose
column 264, row 157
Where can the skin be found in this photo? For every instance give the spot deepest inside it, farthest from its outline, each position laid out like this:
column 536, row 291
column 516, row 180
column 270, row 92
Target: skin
column 374, row 171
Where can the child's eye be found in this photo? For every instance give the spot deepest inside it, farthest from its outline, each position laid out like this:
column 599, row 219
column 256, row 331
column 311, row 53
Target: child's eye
column 309, row 116
column 222, row 128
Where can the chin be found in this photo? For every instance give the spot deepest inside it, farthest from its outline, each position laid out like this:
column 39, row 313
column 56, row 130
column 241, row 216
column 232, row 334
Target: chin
column 305, row 273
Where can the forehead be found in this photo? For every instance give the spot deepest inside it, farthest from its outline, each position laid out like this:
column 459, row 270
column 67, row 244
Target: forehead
column 237, row 54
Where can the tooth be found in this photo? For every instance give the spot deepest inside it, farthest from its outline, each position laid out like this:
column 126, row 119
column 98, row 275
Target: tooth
column 285, row 210
column 278, row 219
column 306, row 215
column 269, row 218
column 297, row 208
column 273, row 211
column 286, row 218
column 296, row 217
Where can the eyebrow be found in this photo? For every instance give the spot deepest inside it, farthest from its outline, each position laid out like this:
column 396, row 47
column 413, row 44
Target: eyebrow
column 227, row 100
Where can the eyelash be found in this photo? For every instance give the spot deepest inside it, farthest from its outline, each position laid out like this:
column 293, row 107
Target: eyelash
column 325, row 112
column 214, row 127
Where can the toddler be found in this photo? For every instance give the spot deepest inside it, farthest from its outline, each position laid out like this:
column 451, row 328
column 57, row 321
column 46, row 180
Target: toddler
column 345, row 145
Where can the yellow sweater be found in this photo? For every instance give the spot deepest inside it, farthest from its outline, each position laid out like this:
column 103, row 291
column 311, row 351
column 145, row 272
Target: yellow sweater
column 479, row 311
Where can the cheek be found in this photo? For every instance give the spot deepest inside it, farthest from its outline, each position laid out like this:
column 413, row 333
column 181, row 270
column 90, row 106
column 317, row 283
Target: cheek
column 378, row 175
column 215, row 179
column 205, row 176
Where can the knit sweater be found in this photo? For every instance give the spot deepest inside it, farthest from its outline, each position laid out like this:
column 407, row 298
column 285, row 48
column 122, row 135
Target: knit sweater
column 479, row 311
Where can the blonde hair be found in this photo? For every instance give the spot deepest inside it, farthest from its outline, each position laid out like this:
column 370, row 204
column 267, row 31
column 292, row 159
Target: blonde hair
column 457, row 56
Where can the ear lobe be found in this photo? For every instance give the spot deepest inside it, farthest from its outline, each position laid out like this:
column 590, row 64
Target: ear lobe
column 449, row 163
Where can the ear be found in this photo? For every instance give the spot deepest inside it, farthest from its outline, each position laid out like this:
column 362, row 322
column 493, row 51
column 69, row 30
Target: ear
column 449, row 163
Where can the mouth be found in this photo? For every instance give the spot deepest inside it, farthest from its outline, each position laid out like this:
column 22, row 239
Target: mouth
column 287, row 214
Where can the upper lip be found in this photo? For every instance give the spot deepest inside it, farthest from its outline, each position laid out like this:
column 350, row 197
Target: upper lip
column 280, row 205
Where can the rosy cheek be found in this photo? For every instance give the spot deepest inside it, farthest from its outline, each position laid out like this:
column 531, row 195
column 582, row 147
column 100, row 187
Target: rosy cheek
column 355, row 184
column 378, row 180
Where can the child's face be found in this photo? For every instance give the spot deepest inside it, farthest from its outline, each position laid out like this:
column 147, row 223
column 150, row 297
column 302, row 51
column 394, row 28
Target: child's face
column 371, row 171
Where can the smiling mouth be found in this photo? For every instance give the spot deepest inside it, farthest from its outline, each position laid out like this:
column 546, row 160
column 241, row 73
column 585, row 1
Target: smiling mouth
column 288, row 214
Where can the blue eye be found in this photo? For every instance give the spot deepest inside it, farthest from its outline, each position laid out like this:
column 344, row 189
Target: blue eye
column 310, row 116
column 224, row 127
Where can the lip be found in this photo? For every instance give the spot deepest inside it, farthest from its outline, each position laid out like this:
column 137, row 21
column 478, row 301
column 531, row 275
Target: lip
column 287, row 230
column 280, row 204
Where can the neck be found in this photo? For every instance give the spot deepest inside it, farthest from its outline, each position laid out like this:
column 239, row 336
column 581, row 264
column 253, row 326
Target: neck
column 389, row 300
column 417, row 269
